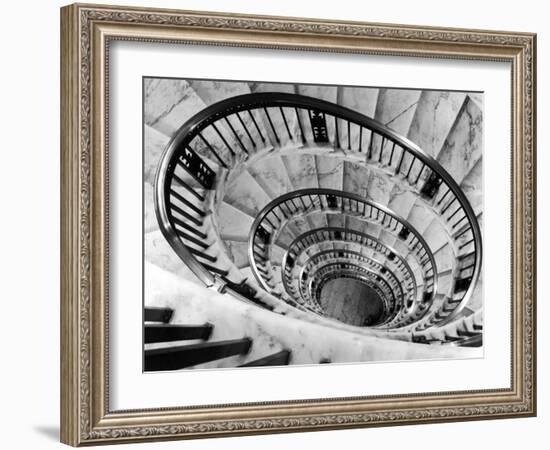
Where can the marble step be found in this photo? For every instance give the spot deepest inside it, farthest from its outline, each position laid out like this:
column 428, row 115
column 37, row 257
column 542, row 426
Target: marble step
column 276, row 255
column 242, row 129
column 233, row 223
column 277, row 280
column 302, row 224
column 168, row 103
column 285, row 237
column 401, row 200
column 317, row 219
column 155, row 144
column 362, row 100
column 472, row 186
column 366, row 182
column 248, row 275
column 396, row 108
column 238, row 252
column 445, row 282
column 301, row 170
column 280, row 137
column 271, row 174
column 423, row 219
column 434, row 116
column 244, row 193
column 464, row 144
column 330, row 172
column 471, row 324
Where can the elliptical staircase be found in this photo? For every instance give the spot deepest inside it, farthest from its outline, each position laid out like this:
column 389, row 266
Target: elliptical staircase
column 271, row 196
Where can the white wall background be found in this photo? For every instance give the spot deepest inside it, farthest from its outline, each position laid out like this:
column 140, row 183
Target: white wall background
column 29, row 225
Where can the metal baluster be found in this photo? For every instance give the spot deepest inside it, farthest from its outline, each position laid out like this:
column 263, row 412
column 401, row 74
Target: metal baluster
column 187, row 203
column 217, row 270
column 273, row 227
column 369, row 154
column 420, row 173
column 448, row 205
column 456, row 223
column 466, row 244
column 223, row 139
column 246, row 130
column 300, row 126
column 461, row 232
column 222, row 162
column 272, row 127
column 410, row 168
column 286, row 124
column 453, row 214
column 202, row 255
column 186, row 215
column 236, row 135
column 189, row 188
column 336, row 138
column 381, row 149
column 192, row 239
column 469, row 266
column 182, row 224
column 400, row 161
column 443, row 197
column 256, row 125
column 303, row 203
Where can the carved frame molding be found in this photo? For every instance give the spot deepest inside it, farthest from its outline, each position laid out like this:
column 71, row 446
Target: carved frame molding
column 86, row 31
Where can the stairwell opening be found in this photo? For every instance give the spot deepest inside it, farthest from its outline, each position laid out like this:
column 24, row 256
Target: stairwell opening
column 352, row 302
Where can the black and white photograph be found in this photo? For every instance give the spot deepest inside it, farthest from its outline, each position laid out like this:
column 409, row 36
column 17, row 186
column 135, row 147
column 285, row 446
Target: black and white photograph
column 297, row 224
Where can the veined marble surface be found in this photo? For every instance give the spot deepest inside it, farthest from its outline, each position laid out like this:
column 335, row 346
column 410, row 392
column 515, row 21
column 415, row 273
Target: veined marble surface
column 168, row 103
column 396, row 107
column 301, row 170
column 463, row 146
column 271, row 174
column 308, row 342
column 433, row 119
column 446, row 125
column 329, row 172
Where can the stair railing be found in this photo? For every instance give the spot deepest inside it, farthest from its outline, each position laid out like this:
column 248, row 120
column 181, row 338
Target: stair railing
column 232, row 129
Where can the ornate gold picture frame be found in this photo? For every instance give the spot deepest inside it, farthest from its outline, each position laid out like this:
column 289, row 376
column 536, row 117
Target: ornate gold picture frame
column 87, row 413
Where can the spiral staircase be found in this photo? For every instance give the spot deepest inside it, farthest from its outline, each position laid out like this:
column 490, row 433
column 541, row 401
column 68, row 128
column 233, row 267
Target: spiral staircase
column 338, row 211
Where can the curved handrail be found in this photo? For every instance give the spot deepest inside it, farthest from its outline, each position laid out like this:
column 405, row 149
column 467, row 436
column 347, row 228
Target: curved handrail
column 395, row 223
column 358, row 268
column 352, row 256
column 342, row 232
column 248, row 102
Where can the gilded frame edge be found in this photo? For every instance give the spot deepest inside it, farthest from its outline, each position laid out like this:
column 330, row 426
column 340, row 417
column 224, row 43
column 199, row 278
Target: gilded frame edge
column 85, row 30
